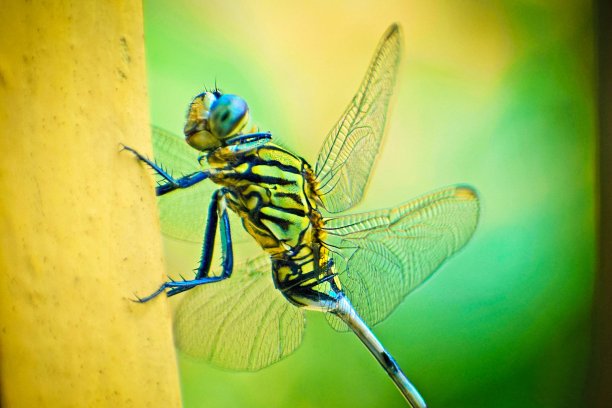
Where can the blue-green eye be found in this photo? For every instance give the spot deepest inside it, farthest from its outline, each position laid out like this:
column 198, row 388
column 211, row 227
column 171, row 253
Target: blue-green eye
column 228, row 116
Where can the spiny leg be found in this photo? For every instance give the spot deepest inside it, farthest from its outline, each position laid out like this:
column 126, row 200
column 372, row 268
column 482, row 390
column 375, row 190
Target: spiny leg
column 216, row 210
column 170, row 183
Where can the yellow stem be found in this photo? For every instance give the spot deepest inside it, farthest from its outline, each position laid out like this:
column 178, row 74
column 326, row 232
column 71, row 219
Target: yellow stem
column 78, row 225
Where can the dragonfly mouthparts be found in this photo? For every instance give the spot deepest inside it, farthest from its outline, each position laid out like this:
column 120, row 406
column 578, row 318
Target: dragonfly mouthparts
column 190, row 132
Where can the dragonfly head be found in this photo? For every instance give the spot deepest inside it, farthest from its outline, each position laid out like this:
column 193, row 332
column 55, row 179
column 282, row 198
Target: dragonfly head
column 215, row 118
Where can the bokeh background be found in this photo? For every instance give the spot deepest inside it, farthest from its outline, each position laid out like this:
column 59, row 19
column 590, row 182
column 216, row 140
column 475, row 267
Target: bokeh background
column 497, row 94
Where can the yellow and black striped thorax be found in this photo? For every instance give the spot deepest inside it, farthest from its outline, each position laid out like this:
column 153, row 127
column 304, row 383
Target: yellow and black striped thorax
column 272, row 190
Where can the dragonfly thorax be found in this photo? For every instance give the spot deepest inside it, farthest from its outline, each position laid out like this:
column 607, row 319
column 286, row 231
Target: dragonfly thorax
column 271, row 190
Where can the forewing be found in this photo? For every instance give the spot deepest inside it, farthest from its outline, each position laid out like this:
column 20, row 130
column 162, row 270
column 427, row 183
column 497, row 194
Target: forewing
column 173, row 152
column 241, row 323
column 383, row 255
column 349, row 150
column 183, row 213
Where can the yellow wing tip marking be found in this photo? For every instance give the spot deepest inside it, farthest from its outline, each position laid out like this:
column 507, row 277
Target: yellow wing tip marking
column 393, row 28
column 466, row 193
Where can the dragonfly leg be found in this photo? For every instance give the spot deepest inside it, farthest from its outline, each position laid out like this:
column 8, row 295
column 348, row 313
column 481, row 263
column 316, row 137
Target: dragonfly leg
column 170, row 183
column 183, row 182
column 177, row 287
column 217, row 210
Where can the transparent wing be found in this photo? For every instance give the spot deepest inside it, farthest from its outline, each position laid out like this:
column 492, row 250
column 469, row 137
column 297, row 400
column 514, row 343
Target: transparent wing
column 241, row 323
column 383, row 255
column 182, row 213
column 348, row 153
column 172, row 151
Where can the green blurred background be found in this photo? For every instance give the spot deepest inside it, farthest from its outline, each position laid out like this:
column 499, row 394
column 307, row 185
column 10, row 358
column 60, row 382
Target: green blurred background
column 496, row 94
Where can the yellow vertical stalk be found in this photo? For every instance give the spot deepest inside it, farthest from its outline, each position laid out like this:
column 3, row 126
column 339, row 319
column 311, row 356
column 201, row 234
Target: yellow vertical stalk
column 78, row 227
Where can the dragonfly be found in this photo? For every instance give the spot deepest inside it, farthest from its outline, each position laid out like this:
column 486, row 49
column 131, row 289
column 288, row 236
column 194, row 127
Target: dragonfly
column 356, row 268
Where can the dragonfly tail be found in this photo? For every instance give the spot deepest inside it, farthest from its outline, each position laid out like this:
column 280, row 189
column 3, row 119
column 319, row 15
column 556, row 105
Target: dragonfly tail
column 347, row 313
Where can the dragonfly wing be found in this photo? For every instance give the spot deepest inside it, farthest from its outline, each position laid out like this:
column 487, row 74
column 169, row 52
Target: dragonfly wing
column 173, row 152
column 349, row 150
column 182, row 213
column 383, row 255
column 241, row 323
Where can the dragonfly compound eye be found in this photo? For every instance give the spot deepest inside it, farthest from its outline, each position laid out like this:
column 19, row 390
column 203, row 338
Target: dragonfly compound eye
column 229, row 114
